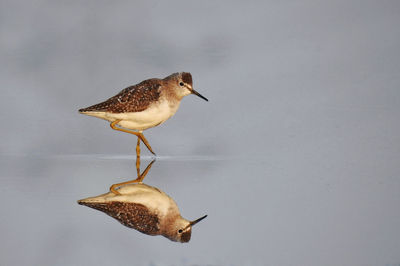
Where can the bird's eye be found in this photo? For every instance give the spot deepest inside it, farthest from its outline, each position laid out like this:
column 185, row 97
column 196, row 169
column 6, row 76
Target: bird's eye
column 181, row 84
column 180, row 231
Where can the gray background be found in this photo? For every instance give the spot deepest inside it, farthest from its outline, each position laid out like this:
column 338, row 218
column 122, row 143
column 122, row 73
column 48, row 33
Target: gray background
column 295, row 157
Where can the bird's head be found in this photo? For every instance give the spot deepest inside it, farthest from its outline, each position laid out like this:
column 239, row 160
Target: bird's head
column 180, row 230
column 183, row 84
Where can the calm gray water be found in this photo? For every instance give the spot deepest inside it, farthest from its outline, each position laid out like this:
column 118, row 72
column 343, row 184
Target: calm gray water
column 260, row 212
column 295, row 158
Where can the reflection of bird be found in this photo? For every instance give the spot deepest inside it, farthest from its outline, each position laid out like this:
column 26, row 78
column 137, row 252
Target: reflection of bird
column 146, row 209
column 144, row 105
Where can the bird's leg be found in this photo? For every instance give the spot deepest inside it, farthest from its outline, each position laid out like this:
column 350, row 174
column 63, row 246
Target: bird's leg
column 146, row 143
column 113, row 125
column 139, row 179
column 138, row 157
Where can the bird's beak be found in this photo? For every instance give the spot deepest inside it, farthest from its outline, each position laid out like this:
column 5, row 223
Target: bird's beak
column 195, row 222
column 198, row 220
column 198, row 94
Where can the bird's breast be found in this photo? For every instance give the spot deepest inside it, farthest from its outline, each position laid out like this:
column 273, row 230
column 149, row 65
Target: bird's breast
column 154, row 115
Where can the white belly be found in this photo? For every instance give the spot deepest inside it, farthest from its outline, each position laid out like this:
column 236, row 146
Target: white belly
column 140, row 193
column 154, row 115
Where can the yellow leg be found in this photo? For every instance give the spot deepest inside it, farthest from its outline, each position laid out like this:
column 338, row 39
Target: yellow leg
column 138, row 157
column 139, row 179
column 113, row 125
column 143, row 175
column 142, row 138
column 113, row 187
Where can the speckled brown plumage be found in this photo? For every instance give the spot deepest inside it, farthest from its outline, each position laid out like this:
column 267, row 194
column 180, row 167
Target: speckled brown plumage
column 135, row 98
column 132, row 215
column 187, row 78
column 186, row 236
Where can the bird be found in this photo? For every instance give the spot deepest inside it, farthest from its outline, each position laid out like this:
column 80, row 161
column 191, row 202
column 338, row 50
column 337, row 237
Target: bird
column 146, row 209
column 144, row 105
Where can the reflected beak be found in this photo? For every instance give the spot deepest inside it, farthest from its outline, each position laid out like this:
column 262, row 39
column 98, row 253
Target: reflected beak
column 201, row 96
column 198, row 220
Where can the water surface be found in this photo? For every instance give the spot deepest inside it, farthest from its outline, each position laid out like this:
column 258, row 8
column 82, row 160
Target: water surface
column 258, row 213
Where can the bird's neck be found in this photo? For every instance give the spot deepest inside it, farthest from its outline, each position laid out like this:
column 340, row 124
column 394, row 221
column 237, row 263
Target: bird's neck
column 172, row 222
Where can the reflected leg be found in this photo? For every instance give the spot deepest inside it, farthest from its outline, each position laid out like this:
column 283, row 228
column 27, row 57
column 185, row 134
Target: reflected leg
column 139, row 179
column 138, row 157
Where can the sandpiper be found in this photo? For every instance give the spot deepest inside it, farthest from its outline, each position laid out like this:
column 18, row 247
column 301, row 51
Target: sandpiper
column 144, row 208
column 144, row 105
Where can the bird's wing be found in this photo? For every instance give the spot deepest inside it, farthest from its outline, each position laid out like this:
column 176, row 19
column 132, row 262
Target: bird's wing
column 133, row 215
column 135, row 98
